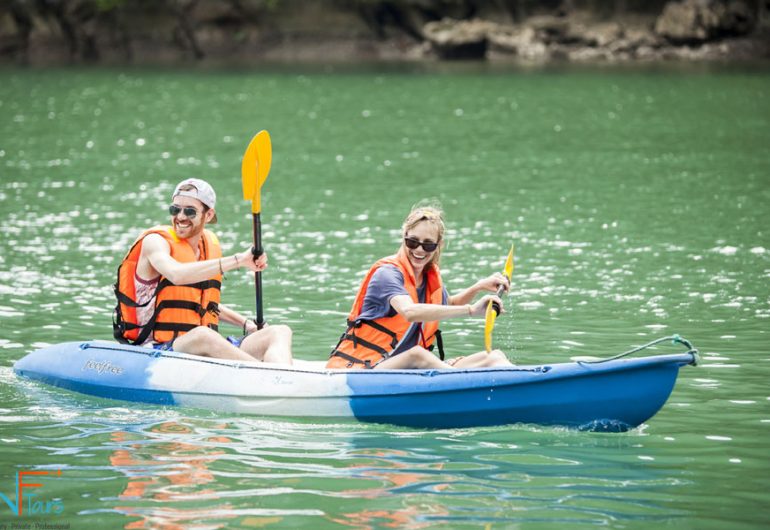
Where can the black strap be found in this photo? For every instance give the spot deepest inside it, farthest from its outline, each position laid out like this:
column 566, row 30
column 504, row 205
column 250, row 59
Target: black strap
column 353, row 360
column 145, row 333
column 383, row 329
column 180, row 304
column 126, row 300
column 120, row 326
column 206, row 284
column 366, row 344
column 173, row 326
column 440, row 344
column 379, row 327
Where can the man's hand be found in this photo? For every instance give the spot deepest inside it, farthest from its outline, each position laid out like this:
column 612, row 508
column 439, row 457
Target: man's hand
column 247, row 259
column 249, row 327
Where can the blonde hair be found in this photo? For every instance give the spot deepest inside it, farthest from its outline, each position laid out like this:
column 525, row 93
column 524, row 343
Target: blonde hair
column 428, row 211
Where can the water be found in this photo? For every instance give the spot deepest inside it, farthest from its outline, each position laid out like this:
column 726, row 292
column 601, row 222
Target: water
column 637, row 199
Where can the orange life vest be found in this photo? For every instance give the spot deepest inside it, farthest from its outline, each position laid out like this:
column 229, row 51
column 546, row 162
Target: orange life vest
column 178, row 308
column 368, row 342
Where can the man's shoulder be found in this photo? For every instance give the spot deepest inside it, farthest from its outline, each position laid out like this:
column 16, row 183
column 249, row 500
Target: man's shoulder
column 156, row 240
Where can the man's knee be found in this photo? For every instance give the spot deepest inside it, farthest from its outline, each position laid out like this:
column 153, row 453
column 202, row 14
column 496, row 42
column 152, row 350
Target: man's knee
column 202, row 334
column 281, row 330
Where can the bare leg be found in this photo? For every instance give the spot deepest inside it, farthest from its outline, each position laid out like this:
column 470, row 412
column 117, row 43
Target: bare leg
column 417, row 357
column 483, row 359
column 271, row 344
column 208, row 343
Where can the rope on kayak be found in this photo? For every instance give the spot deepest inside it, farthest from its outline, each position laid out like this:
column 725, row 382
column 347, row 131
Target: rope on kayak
column 675, row 339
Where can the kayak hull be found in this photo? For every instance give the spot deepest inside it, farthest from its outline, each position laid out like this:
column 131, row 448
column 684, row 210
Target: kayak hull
column 611, row 395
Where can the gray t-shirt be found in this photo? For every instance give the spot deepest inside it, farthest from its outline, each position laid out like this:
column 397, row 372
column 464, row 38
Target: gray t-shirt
column 386, row 283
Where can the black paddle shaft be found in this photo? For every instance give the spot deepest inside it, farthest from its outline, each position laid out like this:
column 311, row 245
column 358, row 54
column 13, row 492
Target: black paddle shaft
column 256, row 250
column 495, row 305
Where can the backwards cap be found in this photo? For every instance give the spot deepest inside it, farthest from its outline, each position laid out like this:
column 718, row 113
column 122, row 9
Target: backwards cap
column 201, row 190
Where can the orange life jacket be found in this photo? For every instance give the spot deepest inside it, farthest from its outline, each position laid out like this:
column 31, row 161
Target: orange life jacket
column 178, row 308
column 368, row 342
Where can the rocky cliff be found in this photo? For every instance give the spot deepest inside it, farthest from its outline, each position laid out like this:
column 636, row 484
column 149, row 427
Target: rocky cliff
column 252, row 31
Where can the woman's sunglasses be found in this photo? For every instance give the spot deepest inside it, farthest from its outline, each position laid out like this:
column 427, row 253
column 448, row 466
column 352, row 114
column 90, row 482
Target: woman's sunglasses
column 188, row 211
column 428, row 246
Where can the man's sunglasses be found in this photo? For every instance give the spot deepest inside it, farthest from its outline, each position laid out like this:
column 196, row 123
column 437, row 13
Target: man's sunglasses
column 428, row 246
column 188, row 211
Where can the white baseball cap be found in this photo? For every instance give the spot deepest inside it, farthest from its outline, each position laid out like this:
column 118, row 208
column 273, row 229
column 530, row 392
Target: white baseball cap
column 202, row 191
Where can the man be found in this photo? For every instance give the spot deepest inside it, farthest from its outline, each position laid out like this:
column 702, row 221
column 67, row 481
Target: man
column 169, row 287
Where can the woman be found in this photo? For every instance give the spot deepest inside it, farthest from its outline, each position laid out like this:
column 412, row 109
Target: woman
column 395, row 316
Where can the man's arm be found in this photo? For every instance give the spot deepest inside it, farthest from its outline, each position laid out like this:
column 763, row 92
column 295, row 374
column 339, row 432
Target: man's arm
column 236, row 319
column 157, row 253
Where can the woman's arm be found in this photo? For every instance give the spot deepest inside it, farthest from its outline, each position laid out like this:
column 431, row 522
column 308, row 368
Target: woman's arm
column 490, row 283
column 413, row 312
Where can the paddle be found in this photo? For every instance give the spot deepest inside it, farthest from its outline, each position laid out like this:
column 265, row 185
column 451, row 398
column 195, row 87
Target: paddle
column 493, row 308
column 254, row 169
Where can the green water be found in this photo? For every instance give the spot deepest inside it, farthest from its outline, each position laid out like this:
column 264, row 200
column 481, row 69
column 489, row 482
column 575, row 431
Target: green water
column 637, row 199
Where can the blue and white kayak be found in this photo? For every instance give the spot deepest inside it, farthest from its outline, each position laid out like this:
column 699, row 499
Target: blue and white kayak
column 614, row 394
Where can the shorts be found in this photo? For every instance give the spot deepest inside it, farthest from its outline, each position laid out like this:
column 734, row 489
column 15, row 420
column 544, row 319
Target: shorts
column 163, row 346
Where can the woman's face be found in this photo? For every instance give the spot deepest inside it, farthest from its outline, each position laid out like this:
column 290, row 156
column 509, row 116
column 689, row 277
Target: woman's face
column 424, row 232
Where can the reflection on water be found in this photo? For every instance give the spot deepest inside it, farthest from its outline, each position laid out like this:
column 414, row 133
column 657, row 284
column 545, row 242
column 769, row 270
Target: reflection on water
column 182, row 472
column 637, row 203
column 173, row 472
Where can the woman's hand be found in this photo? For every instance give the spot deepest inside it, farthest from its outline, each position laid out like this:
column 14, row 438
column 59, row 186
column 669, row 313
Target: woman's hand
column 493, row 283
column 480, row 308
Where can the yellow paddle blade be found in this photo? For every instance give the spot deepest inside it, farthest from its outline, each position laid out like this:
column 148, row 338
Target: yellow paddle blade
column 249, row 170
column 489, row 325
column 508, row 270
column 254, row 168
column 264, row 156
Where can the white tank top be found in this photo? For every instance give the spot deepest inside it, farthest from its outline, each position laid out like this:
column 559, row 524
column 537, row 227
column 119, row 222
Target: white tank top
column 145, row 292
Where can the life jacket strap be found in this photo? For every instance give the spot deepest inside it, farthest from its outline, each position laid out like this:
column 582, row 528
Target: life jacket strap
column 439, row 344
column 181, row 304
column 173, row 326
column 379, row 327
column 120, row 327
column 126, row 300
column 206, row 284
column 352, row 360
column 366, row 344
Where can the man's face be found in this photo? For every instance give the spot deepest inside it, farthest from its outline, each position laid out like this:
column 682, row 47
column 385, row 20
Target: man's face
column 184, row 226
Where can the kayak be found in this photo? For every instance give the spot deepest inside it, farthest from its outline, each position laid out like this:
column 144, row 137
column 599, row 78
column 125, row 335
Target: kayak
column 613, row 394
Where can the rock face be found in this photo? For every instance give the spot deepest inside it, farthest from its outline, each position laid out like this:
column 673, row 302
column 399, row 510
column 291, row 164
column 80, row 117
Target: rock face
column 696, row 21
column 689, row 30
column 248, row 31
column 459, row 39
